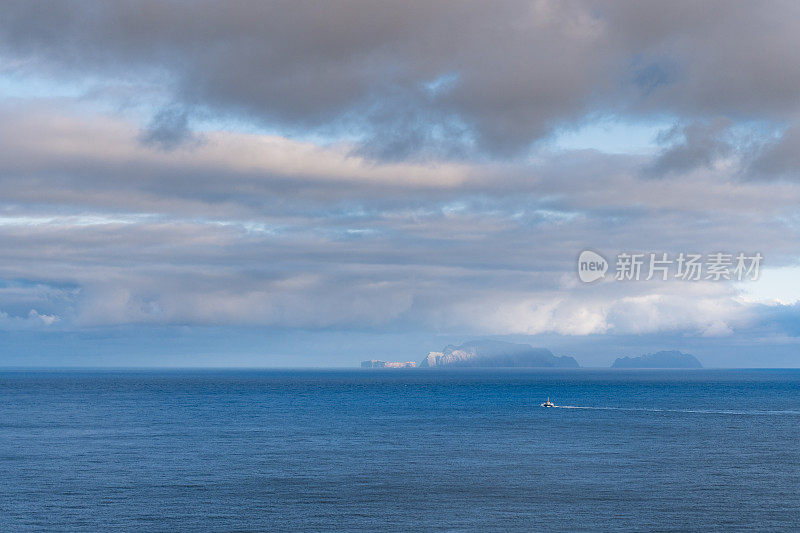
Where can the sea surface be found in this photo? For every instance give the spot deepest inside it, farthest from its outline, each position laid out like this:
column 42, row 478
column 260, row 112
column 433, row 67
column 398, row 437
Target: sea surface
column 406, row 450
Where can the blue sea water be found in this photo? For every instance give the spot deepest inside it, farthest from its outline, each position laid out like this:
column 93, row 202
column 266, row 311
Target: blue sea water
column 369, row 450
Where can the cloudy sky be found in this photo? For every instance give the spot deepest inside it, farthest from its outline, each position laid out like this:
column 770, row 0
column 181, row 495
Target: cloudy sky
column 314, row 183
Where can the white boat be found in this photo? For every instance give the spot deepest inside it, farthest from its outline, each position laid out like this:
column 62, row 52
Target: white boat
column 548, row 403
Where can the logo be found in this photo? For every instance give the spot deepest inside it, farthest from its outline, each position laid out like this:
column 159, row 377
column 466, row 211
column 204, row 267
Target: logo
column 591, row 266
column 685, row 266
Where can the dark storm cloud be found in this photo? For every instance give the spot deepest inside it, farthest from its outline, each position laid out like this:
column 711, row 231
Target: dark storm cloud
column 491, row 77
column 778, row 158
column 699, row 144
column 168, row 129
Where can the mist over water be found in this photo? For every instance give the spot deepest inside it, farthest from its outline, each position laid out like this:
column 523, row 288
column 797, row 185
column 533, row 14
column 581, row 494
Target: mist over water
column 400, row 450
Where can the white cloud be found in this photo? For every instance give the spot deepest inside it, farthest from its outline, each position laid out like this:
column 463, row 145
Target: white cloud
column 775, row 286
column 32, row 321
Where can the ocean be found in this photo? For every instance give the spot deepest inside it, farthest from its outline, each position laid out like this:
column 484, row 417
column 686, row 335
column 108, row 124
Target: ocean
column 403, row 450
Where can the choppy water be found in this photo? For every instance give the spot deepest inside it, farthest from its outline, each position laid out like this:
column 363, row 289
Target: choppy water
column 402, row 450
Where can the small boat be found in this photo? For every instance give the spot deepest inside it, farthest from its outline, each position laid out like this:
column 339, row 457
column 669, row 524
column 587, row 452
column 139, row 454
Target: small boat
column 548, row 403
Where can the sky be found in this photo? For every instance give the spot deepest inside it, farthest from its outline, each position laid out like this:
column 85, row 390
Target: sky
column 316, row 183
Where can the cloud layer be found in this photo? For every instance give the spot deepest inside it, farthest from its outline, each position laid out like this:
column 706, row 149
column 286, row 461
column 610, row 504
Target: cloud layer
column 412, row 76
column 390, row 166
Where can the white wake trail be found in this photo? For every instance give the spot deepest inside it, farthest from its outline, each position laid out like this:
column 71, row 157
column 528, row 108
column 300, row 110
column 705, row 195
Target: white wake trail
column 691, row 411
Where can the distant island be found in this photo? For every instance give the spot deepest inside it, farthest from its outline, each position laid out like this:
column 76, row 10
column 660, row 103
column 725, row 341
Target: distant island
column 376, row 363
column 495, row 354
column 665, row 359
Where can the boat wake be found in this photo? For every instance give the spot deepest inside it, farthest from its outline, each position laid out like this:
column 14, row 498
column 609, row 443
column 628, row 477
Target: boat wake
column 692, row 411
